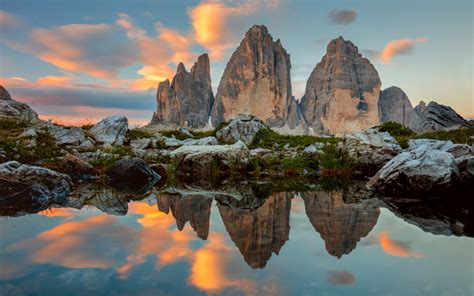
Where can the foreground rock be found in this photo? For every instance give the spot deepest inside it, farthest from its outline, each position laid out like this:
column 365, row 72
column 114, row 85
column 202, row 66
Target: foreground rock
column 371, row 147
column 435, row 116
column 32, row 185
column 110, row 130
column 342, row 92
column 132, row 174
column 14, row 110
column 205, row 161
column 243, row 127
column 256, row 81
column 69, row 136
column 395, row 106
column 428, row 167
column 188, row 100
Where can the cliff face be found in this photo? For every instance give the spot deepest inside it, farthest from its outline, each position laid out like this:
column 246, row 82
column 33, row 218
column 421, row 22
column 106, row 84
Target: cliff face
column 256, row 81
column 259, row 232
column 187, row 101
column 435, row 116
column 195, row 208
column 342, row 92
column 340, row 225
column 395, row 106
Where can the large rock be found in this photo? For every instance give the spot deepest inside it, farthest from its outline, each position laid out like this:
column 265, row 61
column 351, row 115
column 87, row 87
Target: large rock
column 70, row 136
column 435, row 116
column 371, row 147
column 243, row 127
column 133, row 174
column 256, row 81
column 32, row 184
column 428, row 167
column 205, row 161
column 342, row 93
column 187, row 101
column 14, row 110
column 110, row 130
column 395, row 106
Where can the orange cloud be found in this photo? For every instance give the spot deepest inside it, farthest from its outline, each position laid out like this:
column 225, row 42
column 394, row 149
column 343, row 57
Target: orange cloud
column 399, row 47
column 397, row 248
column 54, row 80
column 213, row 24
column 9, row 21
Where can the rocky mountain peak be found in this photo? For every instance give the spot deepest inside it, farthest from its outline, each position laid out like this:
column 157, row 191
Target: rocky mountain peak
column 342, row 91
column 395, row 106
column 4, row 94
column 435, row 116
column 256, row 81
column 187, row 101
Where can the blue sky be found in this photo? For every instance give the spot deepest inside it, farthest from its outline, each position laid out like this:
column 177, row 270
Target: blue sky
column 77, row 61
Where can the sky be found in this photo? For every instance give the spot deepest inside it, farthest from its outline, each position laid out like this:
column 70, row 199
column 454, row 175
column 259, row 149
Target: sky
column 76, row 62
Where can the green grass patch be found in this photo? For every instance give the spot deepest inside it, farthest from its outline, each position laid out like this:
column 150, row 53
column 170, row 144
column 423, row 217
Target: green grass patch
column 101, row 164
column 174, row 133
column 335, row 162
column 136, row 133
column 267, row 138
column 460, row 136
column 10, row 124
column 400, row 132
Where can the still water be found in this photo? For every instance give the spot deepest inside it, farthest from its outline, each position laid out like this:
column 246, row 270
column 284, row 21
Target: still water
column 289, row 243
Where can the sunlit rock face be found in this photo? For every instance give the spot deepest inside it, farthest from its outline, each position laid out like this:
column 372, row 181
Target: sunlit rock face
column 193, row 208
column 342, row 92
column 340, row 225
column 187, row 101
column 395, row 106
column 256, row 81
column 435, row 116
column 259, row 232
column 14, row 110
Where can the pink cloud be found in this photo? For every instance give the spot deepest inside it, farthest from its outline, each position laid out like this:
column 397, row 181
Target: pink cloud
column 9, row 21
column 399, row 47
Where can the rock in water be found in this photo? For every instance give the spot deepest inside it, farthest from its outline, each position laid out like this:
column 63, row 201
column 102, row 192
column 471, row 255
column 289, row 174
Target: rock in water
column 14, row 110
column 395, row 106
column 244, row 128
column 435, row 116
column 110, row 130
column 188, row 100
column 132, row 174
column 256, row 81
column 32, row 185
column 342, row 92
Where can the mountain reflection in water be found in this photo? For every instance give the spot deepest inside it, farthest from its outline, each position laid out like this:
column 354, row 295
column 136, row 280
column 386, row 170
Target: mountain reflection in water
column 251, row 239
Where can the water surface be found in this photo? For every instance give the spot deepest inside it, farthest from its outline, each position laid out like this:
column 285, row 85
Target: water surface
column 289, row 243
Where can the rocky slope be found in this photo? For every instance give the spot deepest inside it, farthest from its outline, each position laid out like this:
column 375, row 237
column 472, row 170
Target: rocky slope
column 187, row 101
column 435, row 116
column 14, row 110
column 256, row 81
column 342, row 92
column 395, row 106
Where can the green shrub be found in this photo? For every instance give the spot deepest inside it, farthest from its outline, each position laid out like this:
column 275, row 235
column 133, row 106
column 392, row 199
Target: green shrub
column 176, row 133
column 101, row 164
column 400, row 132
column 267, row 138
column 9, row 124
column 334, row 161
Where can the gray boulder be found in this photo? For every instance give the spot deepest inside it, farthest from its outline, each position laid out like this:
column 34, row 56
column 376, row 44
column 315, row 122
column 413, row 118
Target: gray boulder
column 427, row 167
column 243, row 128
column 70, row 136
column 32, row 184
column 371, row 147
column 14, row 110
column 132, row 174
column 110, row 130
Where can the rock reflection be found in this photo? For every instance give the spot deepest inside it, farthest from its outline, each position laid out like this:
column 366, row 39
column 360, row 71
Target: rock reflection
column 259, row 232
column 340, row 224
column 193, row 208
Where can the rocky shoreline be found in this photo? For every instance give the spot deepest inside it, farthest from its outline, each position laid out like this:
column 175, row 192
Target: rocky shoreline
column 44, row 163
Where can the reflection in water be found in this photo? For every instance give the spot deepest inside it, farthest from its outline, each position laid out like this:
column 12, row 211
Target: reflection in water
column 340, row 225
column 152, row 246
column 193, row 208
column 259, row 232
